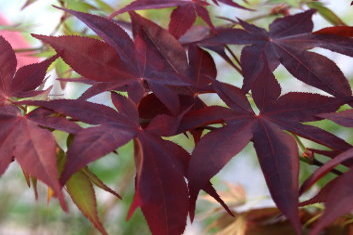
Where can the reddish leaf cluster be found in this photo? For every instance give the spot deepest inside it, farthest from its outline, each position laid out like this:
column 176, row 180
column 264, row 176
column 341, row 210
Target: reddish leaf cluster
column 186, row 10
column 21, row 136
column 163, row 79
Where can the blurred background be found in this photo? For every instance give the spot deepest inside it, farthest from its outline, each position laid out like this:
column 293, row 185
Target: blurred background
column 241, row 182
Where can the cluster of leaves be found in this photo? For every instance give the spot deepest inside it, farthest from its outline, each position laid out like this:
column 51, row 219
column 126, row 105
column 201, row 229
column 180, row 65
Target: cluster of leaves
column 155, row 78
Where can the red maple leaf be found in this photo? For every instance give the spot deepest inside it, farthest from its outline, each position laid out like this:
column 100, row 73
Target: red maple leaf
column 287, row 43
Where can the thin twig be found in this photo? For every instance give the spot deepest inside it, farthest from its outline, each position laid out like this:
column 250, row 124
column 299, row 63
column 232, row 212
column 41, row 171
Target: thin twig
column 318, row 163
column 234, row 65
column 22, row 50
column 233, row 55
column 312, row 161
column 300, row 143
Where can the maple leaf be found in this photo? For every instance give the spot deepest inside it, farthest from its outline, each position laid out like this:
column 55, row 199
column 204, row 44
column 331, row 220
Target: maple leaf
column 287, row 42
column 22, row 139
column 202, row 73
column 115, row 130
column 337, row 194
column 21, row 136
column 156, row 159
column 90, row 143
column 49, row 119
column 160, row 185
column 163, row 78
column 99, row 183
column 344, row 118
column 160, row 59
column 162, row 63
column 322, row 171
column 344, row 31
column 81, row 191
column 202, row 70
column 277, row 151
column 23, row 82
column 104, row 65
column 186, row 10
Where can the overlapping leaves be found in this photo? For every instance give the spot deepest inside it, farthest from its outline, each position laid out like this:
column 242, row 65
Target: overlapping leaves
column 276, row 150
column 26, row 135
column 287, row 43
column 186, row 10
column 163, row 79
column 21, row 136
column 155, row 158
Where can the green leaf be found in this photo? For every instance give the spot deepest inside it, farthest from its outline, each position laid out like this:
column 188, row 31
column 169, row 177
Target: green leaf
column 61, row 68
column 326, row 13
column 79, row 5
column 104, row 6
column 293, row 3
column 99, row 183
column 61, row 159
column 83, row 195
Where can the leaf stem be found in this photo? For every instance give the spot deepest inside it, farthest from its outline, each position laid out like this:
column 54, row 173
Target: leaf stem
column 252, row 19
column 300, row 143
column 317, row 163
column 312, row 161
column 22, row 50
column 232, row 53
column 235, row 58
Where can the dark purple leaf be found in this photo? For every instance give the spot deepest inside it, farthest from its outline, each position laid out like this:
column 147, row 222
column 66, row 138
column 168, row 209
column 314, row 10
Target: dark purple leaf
column 50, row 119
column 344, row 118
column 91, row 144
column 29, row 77
column 125, row 106
column 327, row 167
column 338, row 201
column 80, row 110
column 179, row 27
column 211, row 155
column 278, row 156
column 287, row 42
column 8, row 64
column 161, row 187
column 91, row 58
column 112, row 34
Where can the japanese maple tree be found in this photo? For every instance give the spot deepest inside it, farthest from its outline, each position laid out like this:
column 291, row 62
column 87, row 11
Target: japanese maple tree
column 155, row 77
